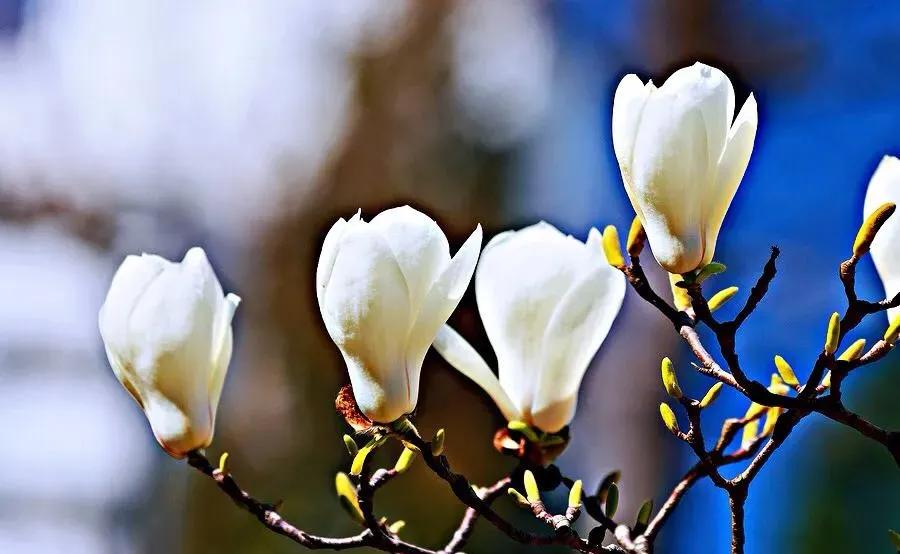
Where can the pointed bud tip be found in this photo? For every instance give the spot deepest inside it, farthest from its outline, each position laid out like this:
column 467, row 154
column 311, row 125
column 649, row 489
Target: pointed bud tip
column 870, row 228
column 786, row 371
column 575, row 494
column 893, row 331
column 636, row 238
column 531, row 487
column 711, row 394
column 668, row 417
column 833, row 334
column 721, row 297
column 670, row 381
column 611, row 247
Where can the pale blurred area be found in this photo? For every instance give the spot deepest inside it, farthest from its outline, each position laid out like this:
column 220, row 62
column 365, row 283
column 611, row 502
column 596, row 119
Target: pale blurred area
column 248, row 128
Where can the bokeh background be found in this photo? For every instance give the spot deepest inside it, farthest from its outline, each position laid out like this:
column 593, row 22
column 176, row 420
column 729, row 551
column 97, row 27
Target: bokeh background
column 249, row 127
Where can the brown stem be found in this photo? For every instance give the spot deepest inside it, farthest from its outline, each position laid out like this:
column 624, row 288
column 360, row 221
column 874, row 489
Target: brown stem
column 269, row 516
column 467, row 525
column 736, row 501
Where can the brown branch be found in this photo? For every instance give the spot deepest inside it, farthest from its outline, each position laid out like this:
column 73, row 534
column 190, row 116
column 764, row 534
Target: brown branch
column 736, row 500
column 837, row 412
column 759, row 289
column 461, row 487
column 467, row 525
column 269, row 516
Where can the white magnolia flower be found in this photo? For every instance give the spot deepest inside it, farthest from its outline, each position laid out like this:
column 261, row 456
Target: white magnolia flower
column 682, row 159
column 885, row 187
column 547, row 301
column 385, row 288
column 167, row 331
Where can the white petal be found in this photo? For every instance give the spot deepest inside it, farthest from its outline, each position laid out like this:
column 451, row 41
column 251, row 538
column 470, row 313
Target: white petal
column 222, row 346
column 521, row 277
column 668, row 181
column 366, row 312
column 175, row 430
column 711, row 89
column 732, row 166
column 576, row 330
column 328, row 255
column 467, row 361
column 129, row 283
column 418, row 244
column 443, row 297
column 885, row 187
column 628, row 104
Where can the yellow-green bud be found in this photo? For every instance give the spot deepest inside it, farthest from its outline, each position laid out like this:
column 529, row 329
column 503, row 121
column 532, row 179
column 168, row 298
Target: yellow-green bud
column 575, row 494
column 853, row 351
column 405, row 460
column 608, row 480
column 669, row 380
column 710, row 269
column 517, row 496
column 668, row 417
column 893, row 331
column 751, row 430
column 223, row 459
column 711, row 394
column 531, row 488
column 754, row 410
column 636, row 238
column 611, row 247
column 612, row 501
column 771, row 418
column 721, row 297
column 646, row 509
column 777, row 386
column 826, row 381
column 679, row 294
column 786, row 371
column 833, row 335
column 437, row 443
column 346, row 492
column 351, row 445
column 523, row 428
column 870, row 228
column 395, row 527
column 359, row 460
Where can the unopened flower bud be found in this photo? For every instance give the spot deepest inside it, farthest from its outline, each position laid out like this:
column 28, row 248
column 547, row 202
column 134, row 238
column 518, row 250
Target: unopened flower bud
column 575, row 494
column 670, row 381
column 166, row 327
column 751, row 431
column 833, row 335
column 611, row 247
column 711, row 394
column 786, row 371
column 531, row 487
column 870, row 228
column 893, row 331
column 636, row 238
column 668, row 417
column 721, row 297
column 854, row 351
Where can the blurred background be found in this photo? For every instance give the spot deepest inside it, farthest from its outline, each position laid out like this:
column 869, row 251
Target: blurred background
column 248, row 128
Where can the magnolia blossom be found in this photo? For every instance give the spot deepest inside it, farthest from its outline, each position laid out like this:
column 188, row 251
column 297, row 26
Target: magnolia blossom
column 167, row 331
column 682, row 159
column 547, row 301
column 885, row 187
column 385, row 288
